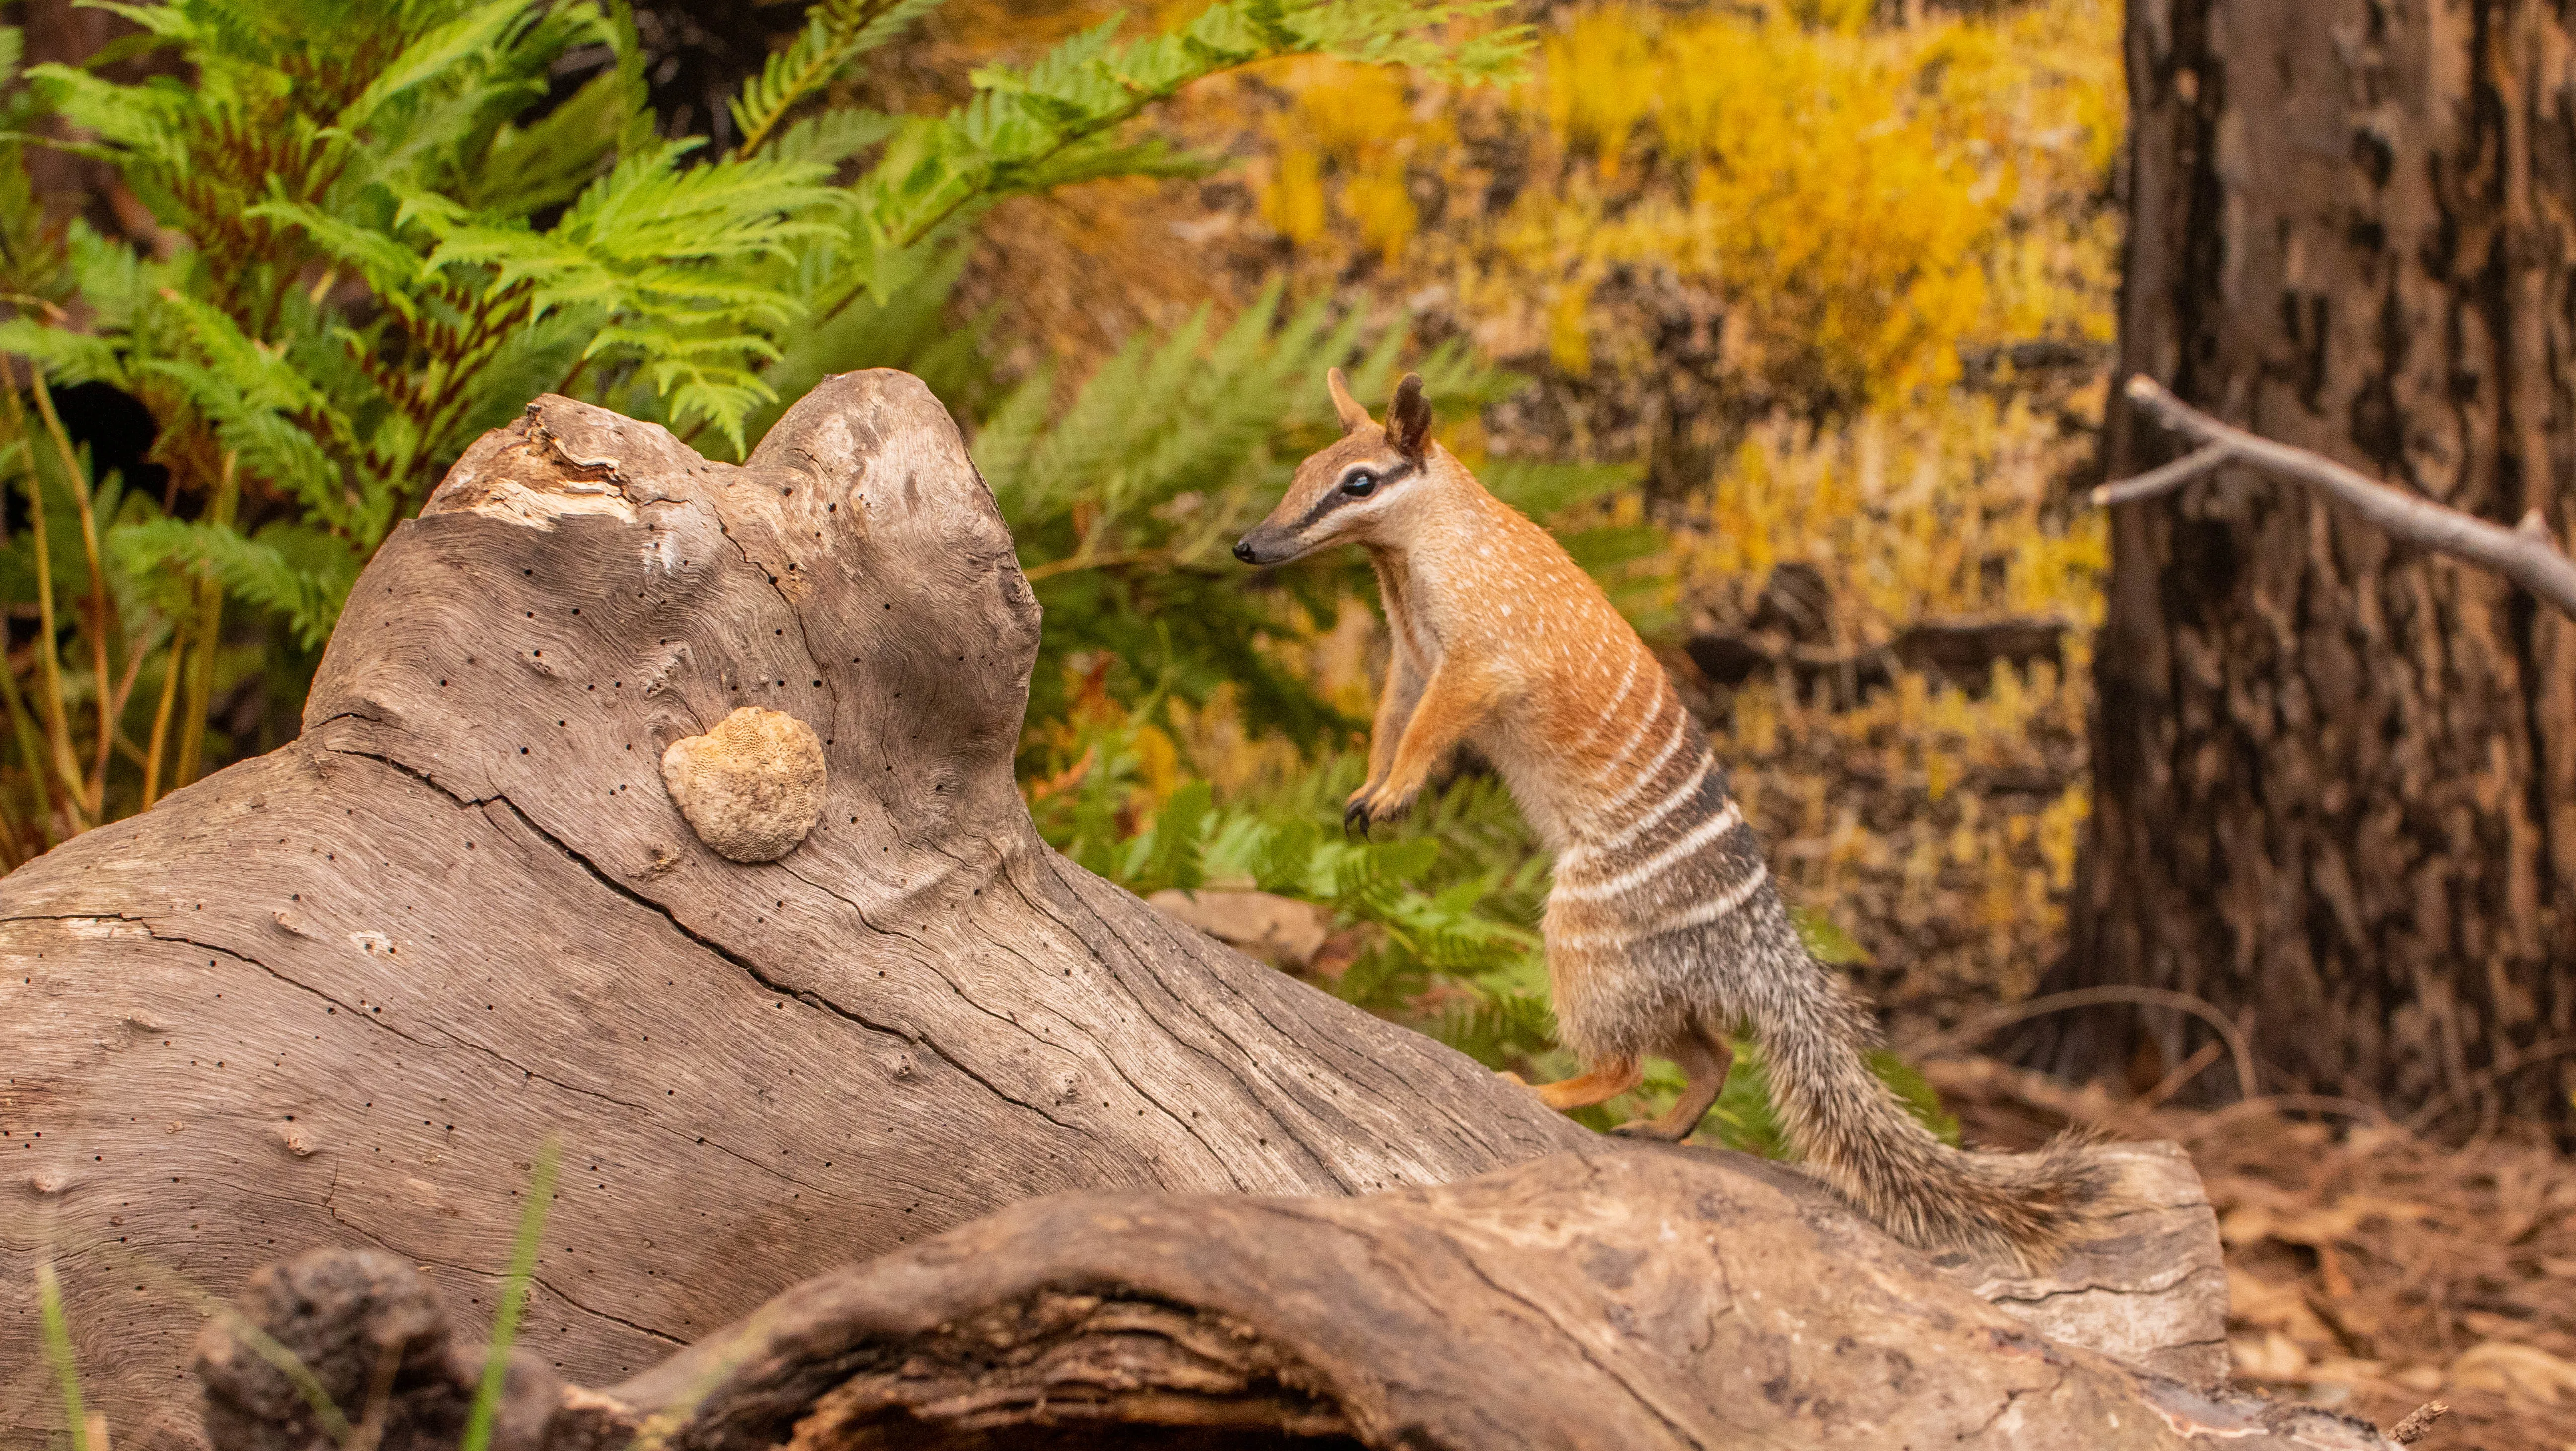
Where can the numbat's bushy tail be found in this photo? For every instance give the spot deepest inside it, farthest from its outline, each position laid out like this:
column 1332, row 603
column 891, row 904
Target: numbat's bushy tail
column 1852, row 1130
column 1664, row 929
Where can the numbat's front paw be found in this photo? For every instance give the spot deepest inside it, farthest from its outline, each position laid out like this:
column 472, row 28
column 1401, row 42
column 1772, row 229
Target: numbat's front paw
column 1355, row 818
column 1368, row 808
column 1646, row 1128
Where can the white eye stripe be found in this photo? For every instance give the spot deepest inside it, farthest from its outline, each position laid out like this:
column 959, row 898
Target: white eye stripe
column 1338, row 497
column 1378, row 473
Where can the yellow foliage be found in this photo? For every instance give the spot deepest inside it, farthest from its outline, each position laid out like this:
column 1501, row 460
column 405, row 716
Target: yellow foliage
column 1921, row 513
column 1357, row 122
column 1293, row 204
column 1865, row 201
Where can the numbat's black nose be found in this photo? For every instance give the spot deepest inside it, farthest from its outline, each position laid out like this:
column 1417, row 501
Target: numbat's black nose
column 1243, row 550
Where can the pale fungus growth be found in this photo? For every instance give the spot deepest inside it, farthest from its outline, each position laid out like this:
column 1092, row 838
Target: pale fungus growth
column 752, row 787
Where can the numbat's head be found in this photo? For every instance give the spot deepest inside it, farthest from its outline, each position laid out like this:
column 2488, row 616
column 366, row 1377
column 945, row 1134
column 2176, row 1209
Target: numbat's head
column 1378, row 486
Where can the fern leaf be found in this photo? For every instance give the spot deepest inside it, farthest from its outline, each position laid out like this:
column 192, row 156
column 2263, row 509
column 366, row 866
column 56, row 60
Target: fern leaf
column 524, row 171
column 302, row 575
column 829, row 138
column 434, row 56
column 64, row 355
column 836, row 33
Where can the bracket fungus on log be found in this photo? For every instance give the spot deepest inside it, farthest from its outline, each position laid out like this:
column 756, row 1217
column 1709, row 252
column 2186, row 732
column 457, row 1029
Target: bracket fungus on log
column 752, row 787
column 340, row 994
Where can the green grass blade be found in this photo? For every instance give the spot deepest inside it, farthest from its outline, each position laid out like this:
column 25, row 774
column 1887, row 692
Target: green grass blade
column 514, row 1304
column 58, row 1349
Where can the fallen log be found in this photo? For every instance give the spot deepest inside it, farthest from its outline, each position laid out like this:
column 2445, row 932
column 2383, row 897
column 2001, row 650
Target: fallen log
column 664, row 808
column 1617, row 1296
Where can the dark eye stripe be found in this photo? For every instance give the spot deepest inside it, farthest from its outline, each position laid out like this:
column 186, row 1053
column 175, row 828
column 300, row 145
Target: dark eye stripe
column 1334, row 497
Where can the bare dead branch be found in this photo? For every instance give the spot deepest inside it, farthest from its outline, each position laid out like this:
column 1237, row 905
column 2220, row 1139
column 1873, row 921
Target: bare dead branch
column 2163, row 479
column 2525, row 554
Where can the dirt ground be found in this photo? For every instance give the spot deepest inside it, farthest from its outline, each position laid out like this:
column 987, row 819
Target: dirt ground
column 2368, row 1268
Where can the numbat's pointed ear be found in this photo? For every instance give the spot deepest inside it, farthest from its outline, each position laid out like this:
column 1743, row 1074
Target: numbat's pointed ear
column 1345, row 407
column 1408, row 418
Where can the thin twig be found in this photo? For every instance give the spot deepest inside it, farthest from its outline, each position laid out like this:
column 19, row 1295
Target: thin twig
column 102, row 611
column 58, row 730
column 2091, row 997
column 2183, row 1073
column 2509, row 1063
column 2524, row 554
column 2163, row 479
column 174, row 659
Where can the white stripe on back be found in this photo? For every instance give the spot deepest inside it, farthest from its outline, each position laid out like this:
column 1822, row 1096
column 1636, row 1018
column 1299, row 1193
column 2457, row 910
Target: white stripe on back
column 1627, row 682
column 1609, row 810
column 1620, row 755
column 1706, row 912
column 1653, row 866
column 1648, row 822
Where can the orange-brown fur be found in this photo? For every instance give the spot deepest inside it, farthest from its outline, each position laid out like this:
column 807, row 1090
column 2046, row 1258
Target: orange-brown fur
column 1664, row 930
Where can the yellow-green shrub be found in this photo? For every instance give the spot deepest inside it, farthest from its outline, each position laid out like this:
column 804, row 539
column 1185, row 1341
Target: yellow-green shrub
column 1864, row 201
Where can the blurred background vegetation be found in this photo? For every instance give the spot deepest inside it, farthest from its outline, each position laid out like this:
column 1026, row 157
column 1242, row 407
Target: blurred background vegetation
column 1790, row 317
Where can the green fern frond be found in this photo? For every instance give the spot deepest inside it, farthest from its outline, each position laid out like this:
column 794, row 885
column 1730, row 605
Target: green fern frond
column 435, row 56
column 302, row 575
column 836, row 33
column 525, row 170
column 66, row 356
column 1033, row 127
column 828, row 138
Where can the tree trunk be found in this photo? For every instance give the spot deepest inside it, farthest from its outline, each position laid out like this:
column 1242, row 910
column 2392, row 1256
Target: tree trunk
column 841, row 999
column 2336, row 776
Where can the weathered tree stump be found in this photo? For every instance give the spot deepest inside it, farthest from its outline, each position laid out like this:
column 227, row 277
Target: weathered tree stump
column 341, row 994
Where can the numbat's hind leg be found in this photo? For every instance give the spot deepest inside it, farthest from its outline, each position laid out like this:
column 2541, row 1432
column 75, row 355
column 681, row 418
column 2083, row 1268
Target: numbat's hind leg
column 1704, row 1057
column 1593, row 1085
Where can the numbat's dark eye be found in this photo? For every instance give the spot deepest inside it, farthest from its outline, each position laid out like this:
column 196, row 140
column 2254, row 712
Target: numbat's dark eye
column 1360, row 484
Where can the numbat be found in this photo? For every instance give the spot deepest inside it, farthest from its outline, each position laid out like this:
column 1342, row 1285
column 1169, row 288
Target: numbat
column 1664, row 930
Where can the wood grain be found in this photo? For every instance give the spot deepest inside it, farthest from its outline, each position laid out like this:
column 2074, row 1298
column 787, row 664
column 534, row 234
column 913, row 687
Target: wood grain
column 1610, row 1297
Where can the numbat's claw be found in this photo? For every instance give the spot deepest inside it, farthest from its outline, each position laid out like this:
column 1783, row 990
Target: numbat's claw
column 1355, row 817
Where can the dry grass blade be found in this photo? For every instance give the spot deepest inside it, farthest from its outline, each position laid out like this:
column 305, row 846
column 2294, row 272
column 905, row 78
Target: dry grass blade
column 102, row 611
column 57, row 1334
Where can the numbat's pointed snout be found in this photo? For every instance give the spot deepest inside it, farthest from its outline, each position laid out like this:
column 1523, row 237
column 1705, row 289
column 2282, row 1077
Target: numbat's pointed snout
column 1243, row 550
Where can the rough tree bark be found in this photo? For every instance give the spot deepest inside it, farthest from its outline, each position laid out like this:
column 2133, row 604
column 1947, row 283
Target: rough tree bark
column 341, row 994
column 2336, row 777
